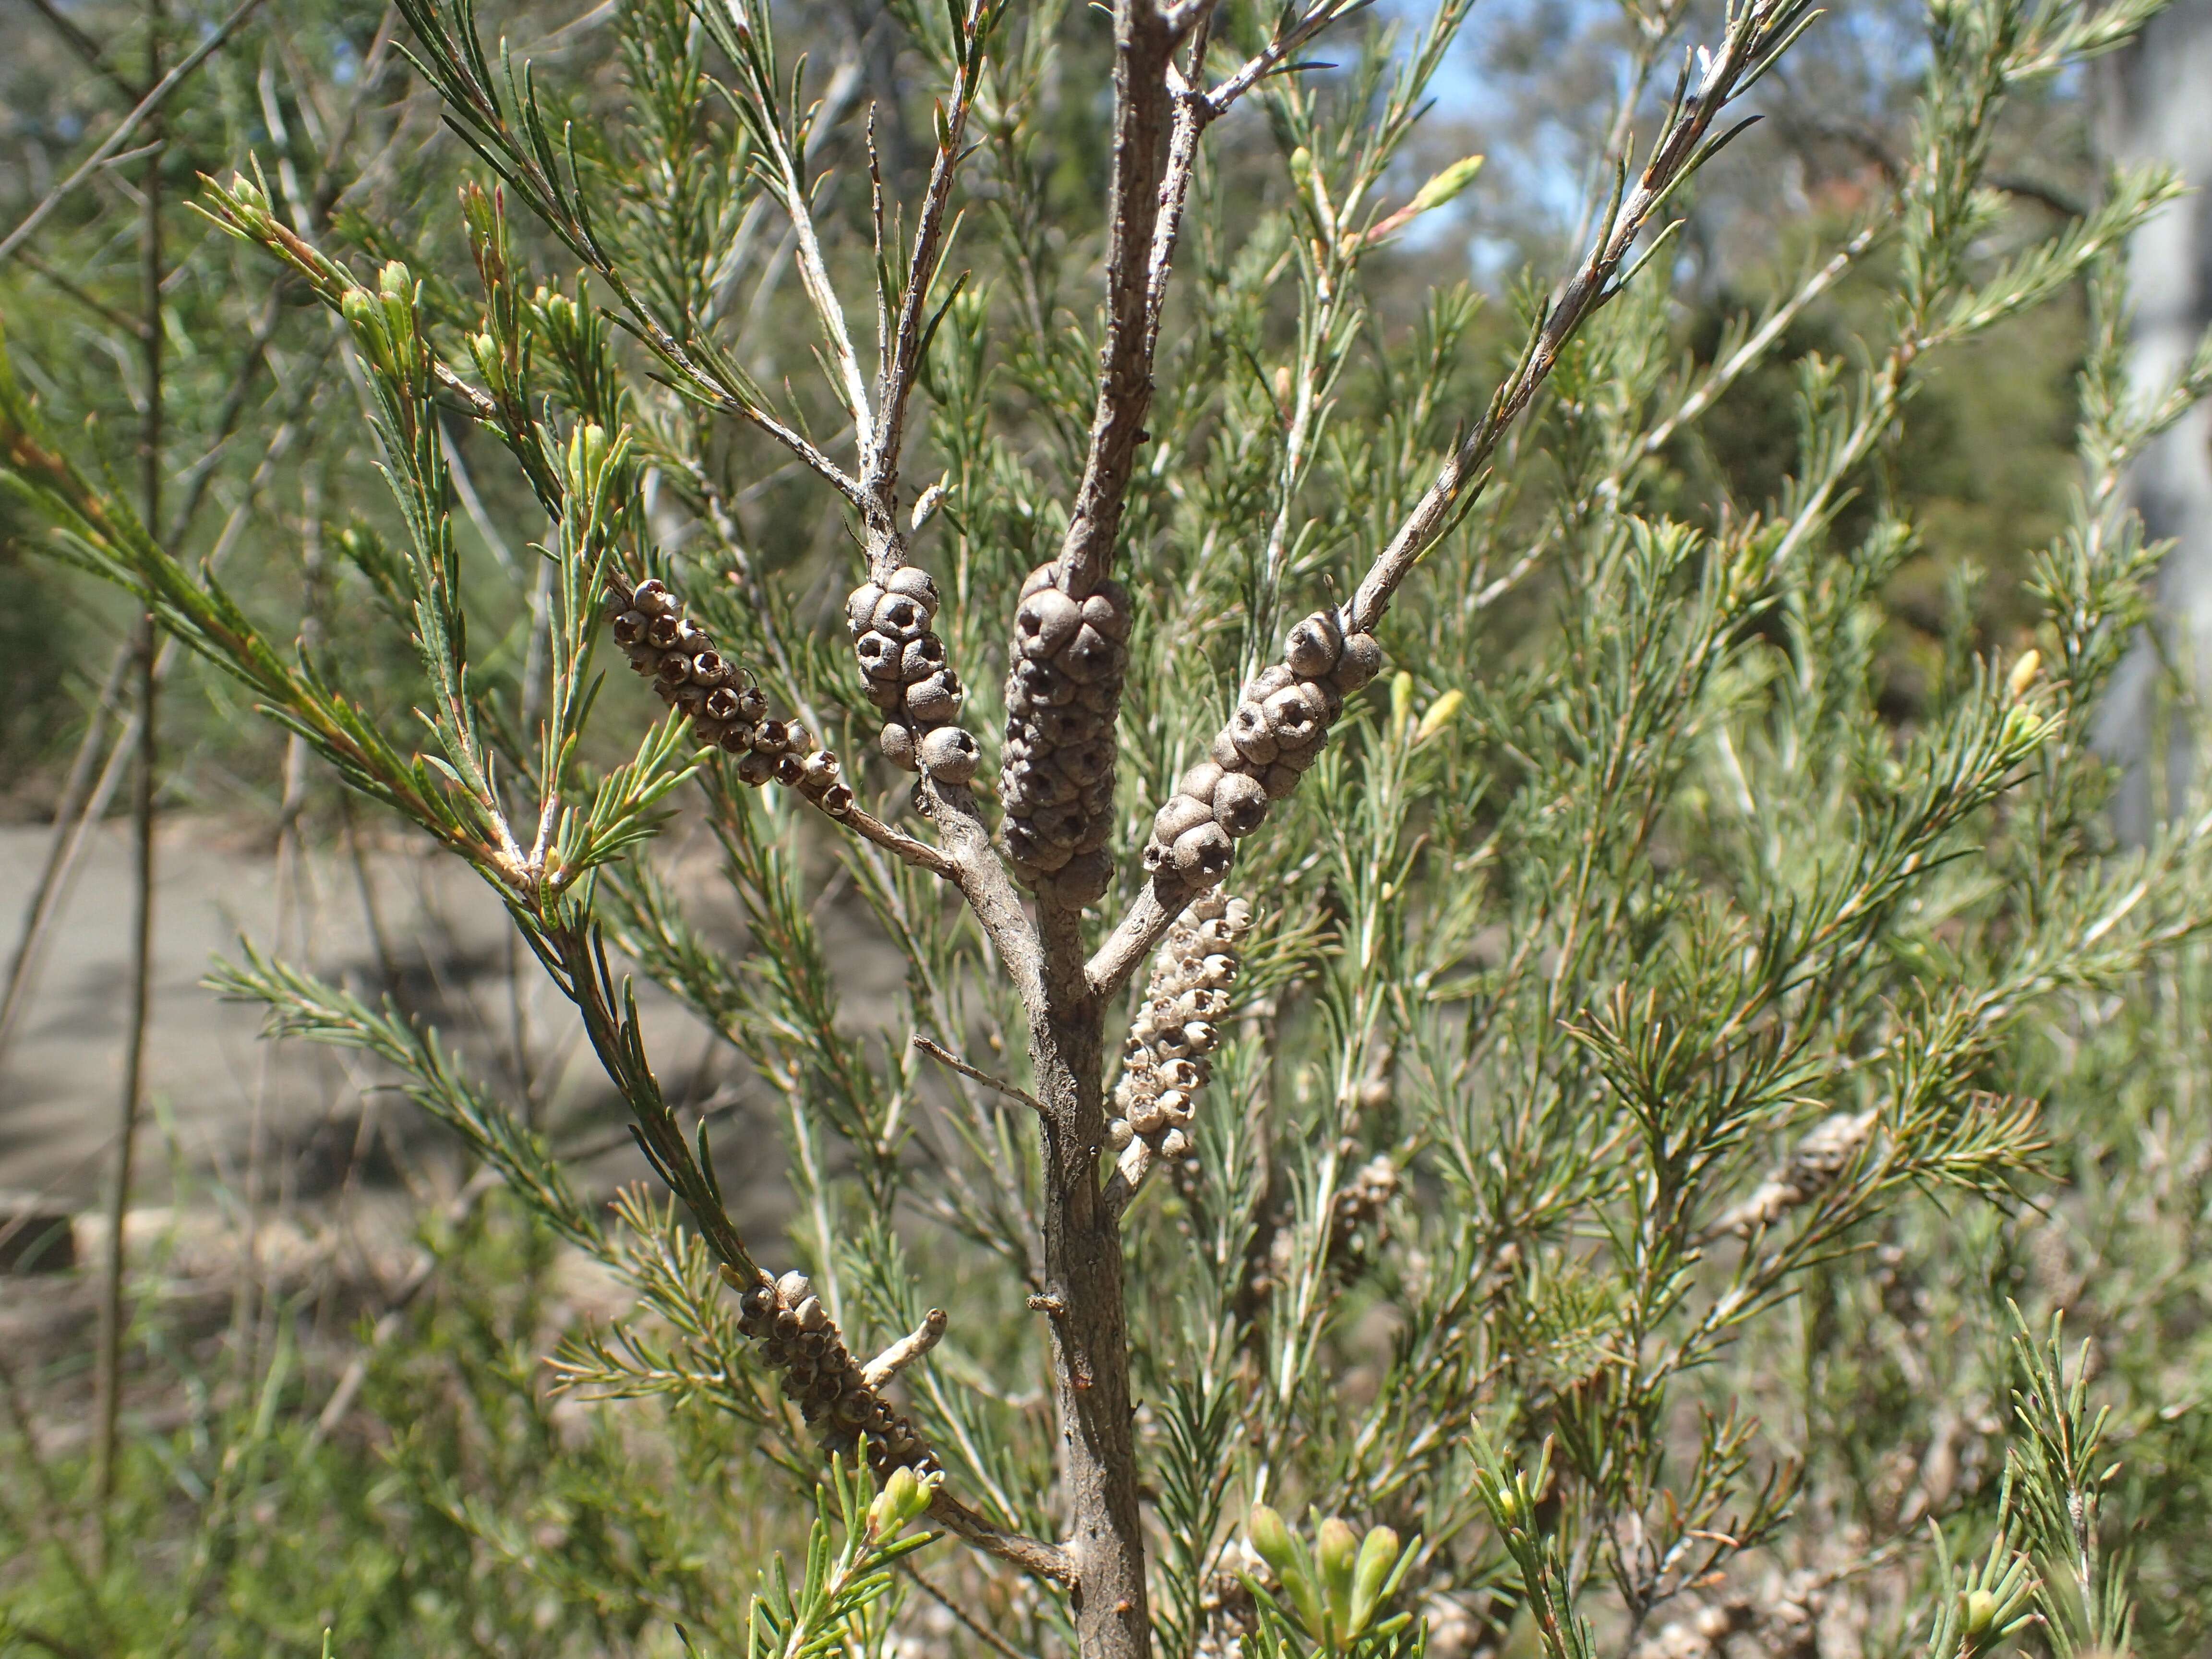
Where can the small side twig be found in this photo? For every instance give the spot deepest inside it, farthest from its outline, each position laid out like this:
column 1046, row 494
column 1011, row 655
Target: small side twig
column 944, row 1056
column 904, row 1351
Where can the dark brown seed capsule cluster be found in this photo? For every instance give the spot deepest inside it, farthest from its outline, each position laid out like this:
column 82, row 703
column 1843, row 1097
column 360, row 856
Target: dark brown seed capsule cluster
column 1166, row 1060
column 724, row 707
column 1063, row 689
column 903, row 669
column 820, row 1376
column 1282, row 719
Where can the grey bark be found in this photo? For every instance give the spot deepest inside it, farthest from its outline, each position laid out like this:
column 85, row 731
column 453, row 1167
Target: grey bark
column 2157, row 99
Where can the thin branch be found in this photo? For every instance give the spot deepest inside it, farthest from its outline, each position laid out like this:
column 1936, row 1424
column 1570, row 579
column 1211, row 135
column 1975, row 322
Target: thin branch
column 1143, row 112
column 113, row 144
column 901, row 358
column 91, row 302
column 1041, row 1560
column 87, row 48
column 944, row 1056
column 1760, row 32
column 904, row 1351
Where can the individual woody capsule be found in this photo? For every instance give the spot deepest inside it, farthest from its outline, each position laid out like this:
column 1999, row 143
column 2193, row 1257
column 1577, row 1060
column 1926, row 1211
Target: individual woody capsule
column 861, row 606
column 1203, row 853
column 1059, row 826
column 1088, row 658
column 673, row 668
column 1119, row 1133
column 1280, row 782
column 1147, row 1118
column 722, row 705
column 1293, row 715
column 1085, row 763
column 629, row 628
column 790, row 770
column 1084, row 877
column 897, row 742
column 1251, row 734
column 664, row 630
column 837, row 799
column 1240, row 804
column 879, row 655
column 1175, row 1106
column 1200, row 781
column 921, row 658
column 1107, row 610
column 949, row 755
column 1044, row 685
column 1058, row 726
column 755, row 769
column 1361, row 662
column 753, row 704
column 1174, row 1145
column 794, row 1288
column 1181, row 813
column 1046, row 785
column 1029, row 848
column 914, row 582
column 901, row 616
column 821, row 767
column 935, row 699
column 1047, row 621
column 652, row 596
column 709, row 667
column 888, row 696
column 1314, row 647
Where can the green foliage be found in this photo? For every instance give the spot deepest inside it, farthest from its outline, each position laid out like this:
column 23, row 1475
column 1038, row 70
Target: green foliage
column 1648, row 1070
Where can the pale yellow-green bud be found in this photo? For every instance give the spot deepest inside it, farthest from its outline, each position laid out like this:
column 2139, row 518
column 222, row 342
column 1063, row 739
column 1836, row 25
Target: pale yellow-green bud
column 2023, row 674
column 1271, row 1538
column 1378, row 1554
column 903, row 1500
column 1439, row 714
column 1978, row 1613
column 1336, row 1547
column 1442, row 186
column 1402, row 699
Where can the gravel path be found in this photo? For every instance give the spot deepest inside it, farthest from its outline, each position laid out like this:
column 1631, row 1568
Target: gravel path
column 212, row 1079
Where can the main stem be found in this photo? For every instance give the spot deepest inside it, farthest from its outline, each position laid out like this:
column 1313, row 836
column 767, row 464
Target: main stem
column 1090, row 1331
column 112, row 1312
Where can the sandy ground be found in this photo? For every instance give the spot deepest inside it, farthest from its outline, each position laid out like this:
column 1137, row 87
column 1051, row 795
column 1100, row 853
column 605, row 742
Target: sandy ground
column 217, row 1089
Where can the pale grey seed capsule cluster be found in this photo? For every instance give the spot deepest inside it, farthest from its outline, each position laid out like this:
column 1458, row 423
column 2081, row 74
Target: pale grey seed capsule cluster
column 1278, row 731
column 819, row 1375
column 1168, row 1056
column 904, row 671
column 724, row 707
column 1057, row 776
column 1357, row 1213
column 1823, row 1155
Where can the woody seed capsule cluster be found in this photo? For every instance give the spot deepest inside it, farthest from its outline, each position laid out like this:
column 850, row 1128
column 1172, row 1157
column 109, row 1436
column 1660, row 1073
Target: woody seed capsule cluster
column 1282, row 719
column 724, row 708
column 820, row 1376
column 1056, row 779
column 903, row 669
column 1166, row 1060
